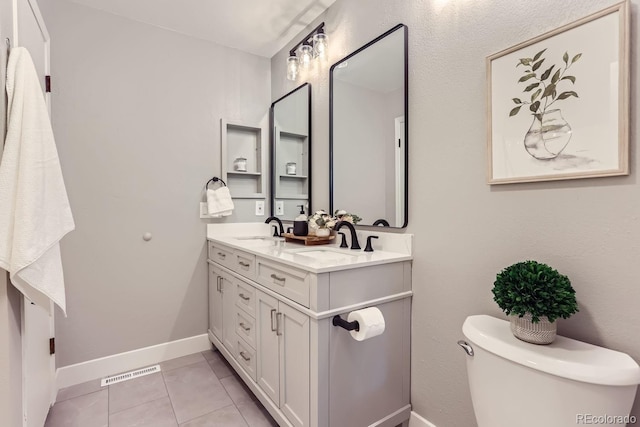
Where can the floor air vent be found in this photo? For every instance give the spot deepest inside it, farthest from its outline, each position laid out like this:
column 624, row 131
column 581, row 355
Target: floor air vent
column 129, row 375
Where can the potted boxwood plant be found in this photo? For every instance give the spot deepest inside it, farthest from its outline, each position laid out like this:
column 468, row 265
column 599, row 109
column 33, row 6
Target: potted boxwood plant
column 534, row 295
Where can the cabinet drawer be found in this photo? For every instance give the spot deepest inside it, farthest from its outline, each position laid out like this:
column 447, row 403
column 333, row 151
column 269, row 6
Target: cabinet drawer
column 245, row 327
column 287, row 281
column 245, row 297
column 246, row 357
column 221, row 255
column 245, row 264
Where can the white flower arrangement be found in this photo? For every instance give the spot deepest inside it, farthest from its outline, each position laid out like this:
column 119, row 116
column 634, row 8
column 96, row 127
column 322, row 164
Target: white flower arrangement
column 321, row 219
column 342, row 215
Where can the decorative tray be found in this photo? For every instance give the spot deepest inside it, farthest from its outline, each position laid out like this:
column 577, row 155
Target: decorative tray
column 308, row 240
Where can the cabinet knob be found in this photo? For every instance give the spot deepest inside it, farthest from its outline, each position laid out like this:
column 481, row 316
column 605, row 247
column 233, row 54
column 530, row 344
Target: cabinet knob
column 244, row 356
column 246, row 298
column 243, row 326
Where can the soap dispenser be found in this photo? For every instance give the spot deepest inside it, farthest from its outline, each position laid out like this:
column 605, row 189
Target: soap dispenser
column 300, row 224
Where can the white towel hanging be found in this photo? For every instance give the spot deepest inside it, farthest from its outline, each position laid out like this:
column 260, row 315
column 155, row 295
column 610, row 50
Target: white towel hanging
column 34, row 209
column 219, row 202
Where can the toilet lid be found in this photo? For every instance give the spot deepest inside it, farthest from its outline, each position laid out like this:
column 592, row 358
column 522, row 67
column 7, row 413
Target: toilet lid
column 565, row 357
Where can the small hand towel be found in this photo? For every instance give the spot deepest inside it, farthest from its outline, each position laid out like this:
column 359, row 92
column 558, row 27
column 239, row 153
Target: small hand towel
column 34, row 208
column 219, row 202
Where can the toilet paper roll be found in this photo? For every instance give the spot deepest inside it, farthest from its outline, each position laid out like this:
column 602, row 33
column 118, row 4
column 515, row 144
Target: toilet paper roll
column 371, row 323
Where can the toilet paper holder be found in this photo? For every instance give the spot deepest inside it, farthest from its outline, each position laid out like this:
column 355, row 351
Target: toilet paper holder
column 349, row 326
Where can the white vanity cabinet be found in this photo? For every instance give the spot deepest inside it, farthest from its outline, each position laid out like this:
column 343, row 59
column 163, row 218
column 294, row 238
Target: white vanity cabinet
column 222, row 289
column 271, row 317
column 283, row 362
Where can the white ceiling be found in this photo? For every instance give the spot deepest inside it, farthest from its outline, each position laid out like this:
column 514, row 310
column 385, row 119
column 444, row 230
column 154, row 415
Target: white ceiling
column 261, row 27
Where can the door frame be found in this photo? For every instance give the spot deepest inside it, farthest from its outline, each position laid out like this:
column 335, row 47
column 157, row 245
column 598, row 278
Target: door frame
column 26, row 316
column 400, row 168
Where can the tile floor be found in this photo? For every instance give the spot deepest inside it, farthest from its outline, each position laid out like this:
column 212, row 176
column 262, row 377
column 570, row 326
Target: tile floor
column 192, row 391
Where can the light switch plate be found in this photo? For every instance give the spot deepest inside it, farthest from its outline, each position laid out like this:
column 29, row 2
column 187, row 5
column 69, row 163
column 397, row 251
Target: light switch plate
column 280, row 207
column 259, row 207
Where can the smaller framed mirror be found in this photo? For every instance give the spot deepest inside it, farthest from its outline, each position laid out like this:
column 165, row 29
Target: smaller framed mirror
column 291, row 154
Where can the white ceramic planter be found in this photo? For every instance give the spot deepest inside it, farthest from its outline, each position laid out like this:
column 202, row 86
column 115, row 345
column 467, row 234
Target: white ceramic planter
column 542, row 332
column 322, row 232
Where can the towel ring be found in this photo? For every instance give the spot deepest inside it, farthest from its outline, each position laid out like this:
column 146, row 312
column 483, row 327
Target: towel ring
column 214, row 179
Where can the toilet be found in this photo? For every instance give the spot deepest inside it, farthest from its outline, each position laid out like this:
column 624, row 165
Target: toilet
column 566, row 383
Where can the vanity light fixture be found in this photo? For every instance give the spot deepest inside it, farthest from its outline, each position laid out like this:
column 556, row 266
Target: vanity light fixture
column 306, row 55
column 292, row 67
column 320, row 44
column 314, row 45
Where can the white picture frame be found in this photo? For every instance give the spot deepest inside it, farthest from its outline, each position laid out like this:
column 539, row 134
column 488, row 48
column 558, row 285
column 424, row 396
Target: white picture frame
column 558, row 104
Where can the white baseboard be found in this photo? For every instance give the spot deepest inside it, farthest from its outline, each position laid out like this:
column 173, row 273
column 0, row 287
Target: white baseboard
column 109, row 365
column 417, row 421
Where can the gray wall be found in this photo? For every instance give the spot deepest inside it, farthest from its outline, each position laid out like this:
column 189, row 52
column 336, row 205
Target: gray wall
column 466, row 231
column 136, row 113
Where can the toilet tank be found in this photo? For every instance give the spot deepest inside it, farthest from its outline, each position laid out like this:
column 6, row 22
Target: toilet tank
column 566, row 383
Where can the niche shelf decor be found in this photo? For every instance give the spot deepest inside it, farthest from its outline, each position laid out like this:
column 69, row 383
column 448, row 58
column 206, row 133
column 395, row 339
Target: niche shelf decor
column 243, row 159
column 293, row 148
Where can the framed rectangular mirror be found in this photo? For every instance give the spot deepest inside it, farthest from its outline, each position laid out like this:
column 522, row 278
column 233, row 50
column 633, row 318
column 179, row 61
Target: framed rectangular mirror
column 368, row 131
column 291, row 153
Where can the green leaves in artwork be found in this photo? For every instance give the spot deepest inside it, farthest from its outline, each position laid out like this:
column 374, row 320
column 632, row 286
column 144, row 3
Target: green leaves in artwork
column 525, row 61
column 527, row 77
column 534, row 107
column 544, row 88
column 547, row 73
column 536, row 94
column 548, row 91
column 539, row 54
column 565, row 95
column 537, row 65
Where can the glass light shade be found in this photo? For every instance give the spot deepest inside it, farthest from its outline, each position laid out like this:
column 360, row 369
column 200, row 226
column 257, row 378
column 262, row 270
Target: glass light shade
column 320, row 45
column 306, row 55
column 292, row 67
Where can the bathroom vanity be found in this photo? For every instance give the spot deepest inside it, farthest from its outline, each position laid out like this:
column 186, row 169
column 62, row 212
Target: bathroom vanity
column 271, row 306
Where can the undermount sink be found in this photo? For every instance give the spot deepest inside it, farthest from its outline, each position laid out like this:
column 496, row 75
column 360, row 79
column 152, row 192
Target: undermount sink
column 323, row 254
column 260, row 240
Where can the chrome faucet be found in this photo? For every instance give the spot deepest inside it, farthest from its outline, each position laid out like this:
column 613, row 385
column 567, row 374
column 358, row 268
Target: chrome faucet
column 275, row 232
column 354, row 237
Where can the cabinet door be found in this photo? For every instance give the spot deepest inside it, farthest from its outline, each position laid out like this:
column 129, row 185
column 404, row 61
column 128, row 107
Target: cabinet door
column 229, row 288
column 294, row 365
column 215, row 302
column 268, row 370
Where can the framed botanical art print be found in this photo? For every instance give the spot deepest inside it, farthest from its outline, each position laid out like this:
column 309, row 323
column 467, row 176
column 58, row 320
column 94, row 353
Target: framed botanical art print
column 558, row 104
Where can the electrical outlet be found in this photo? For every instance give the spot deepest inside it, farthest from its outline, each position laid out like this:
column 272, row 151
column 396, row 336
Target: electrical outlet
column 280, row 207
column 259, row 207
